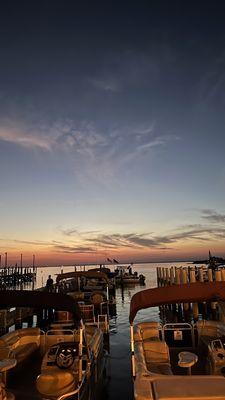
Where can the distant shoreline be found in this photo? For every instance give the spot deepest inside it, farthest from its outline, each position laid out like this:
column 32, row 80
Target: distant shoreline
column 110, row 265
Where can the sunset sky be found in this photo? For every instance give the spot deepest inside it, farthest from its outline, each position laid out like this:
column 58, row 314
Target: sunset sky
column 112, row 140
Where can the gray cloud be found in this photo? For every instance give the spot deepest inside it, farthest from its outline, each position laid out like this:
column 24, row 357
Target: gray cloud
column 74, row 249
column 213, row 216
column 144, row 241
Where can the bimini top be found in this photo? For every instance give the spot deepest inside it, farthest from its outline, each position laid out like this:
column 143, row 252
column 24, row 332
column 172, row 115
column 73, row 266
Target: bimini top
column 40, row 300
column 86, row 274
column 186, row 293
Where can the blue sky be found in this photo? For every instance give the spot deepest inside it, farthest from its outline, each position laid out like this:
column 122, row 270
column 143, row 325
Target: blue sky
column 112, row 131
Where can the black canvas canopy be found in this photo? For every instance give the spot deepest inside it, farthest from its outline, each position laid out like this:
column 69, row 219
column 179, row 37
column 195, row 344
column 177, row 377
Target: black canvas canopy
column 40, row 300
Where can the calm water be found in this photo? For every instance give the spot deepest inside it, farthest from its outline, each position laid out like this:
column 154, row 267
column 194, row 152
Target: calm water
column 120, row 383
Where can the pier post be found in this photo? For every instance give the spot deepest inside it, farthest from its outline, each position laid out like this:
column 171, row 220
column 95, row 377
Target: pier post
column 167, row 277
column 172, row 276
column 185, row 281
column 223, row 274
column 194, row 305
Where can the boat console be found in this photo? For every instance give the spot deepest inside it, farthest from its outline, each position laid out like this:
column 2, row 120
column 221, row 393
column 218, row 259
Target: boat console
column 216, row 356
column 61, row 355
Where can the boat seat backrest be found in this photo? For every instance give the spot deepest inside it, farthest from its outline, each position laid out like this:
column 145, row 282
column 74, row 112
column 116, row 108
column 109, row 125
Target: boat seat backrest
column 140, row 363
column 55, row 336
column 19, row 344
column 147, row 330
column 156, row 352
column 210, row 328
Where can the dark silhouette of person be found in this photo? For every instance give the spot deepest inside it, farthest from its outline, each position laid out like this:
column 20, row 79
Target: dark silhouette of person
column 49, row 284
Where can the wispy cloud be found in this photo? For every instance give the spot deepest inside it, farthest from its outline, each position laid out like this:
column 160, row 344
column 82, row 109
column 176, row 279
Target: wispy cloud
column 213, row 216
column 102, row 153
column 74, row 249
column 146, row 241
column 108, row 84
column 75, row 241
column 25, row 139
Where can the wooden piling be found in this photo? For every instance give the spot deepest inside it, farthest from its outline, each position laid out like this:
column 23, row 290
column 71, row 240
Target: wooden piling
column 194, row 305
column 172, row 277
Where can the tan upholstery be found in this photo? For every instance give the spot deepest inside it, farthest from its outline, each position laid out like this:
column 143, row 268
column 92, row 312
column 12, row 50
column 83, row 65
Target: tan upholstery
column 55, row 383
column 19, row 344
column 189, row 388
column 97, row 298
column 160, row 368
column 156, row 352
column 24, row 351
column 210, row 328
column 152, row 356
column 147, row 330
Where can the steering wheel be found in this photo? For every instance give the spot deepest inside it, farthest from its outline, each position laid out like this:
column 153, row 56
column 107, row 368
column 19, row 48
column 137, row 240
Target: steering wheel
column 66, row 356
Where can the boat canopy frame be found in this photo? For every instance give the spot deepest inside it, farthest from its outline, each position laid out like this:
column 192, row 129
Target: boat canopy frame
column 86, row 274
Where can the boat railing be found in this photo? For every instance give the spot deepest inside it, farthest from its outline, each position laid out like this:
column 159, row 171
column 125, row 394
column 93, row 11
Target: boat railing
column 104, row 306
column 103, row 322
column 58, row 335
column 178, row 332
column 87, row 312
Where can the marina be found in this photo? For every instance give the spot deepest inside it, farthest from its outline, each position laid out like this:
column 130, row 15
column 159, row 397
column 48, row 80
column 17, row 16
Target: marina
column 118, row 367
column 112, row 182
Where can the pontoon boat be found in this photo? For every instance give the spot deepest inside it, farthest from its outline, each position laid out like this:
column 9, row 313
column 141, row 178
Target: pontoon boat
column 183, row 360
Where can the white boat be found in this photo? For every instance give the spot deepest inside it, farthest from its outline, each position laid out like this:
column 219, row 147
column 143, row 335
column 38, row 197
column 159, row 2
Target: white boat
column 67, row 356
column 175, row 361
column 125, row 276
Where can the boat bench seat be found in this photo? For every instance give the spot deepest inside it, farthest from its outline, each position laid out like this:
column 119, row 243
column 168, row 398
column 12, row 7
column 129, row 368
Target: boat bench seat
column 209, row 330
column 157, row 357
column 153, row 356
column 162, row 387
column 52, row 382
column 189, row 388
column 20, row 344
column 160, row 368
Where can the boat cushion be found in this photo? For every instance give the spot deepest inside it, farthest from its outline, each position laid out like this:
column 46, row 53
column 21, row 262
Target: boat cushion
column 156, row 351
column 189, row 388
column 19, row 344
column 56, row 383
column 160, row 368
column 24, row 351
column 147, row 330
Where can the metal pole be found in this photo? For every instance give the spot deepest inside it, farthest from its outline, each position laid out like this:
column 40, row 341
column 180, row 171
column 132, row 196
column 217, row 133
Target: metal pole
column 132, row 349
column 80, row 351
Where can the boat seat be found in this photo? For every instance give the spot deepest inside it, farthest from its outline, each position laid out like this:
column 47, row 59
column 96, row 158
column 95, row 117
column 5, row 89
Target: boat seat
column 209, row 330
column 153, row 357
column 23, row 352
column 147, row 330
column 189, row 388
column 55, row 383
column 160, row 368
column 20, row 344
column 156, row 351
